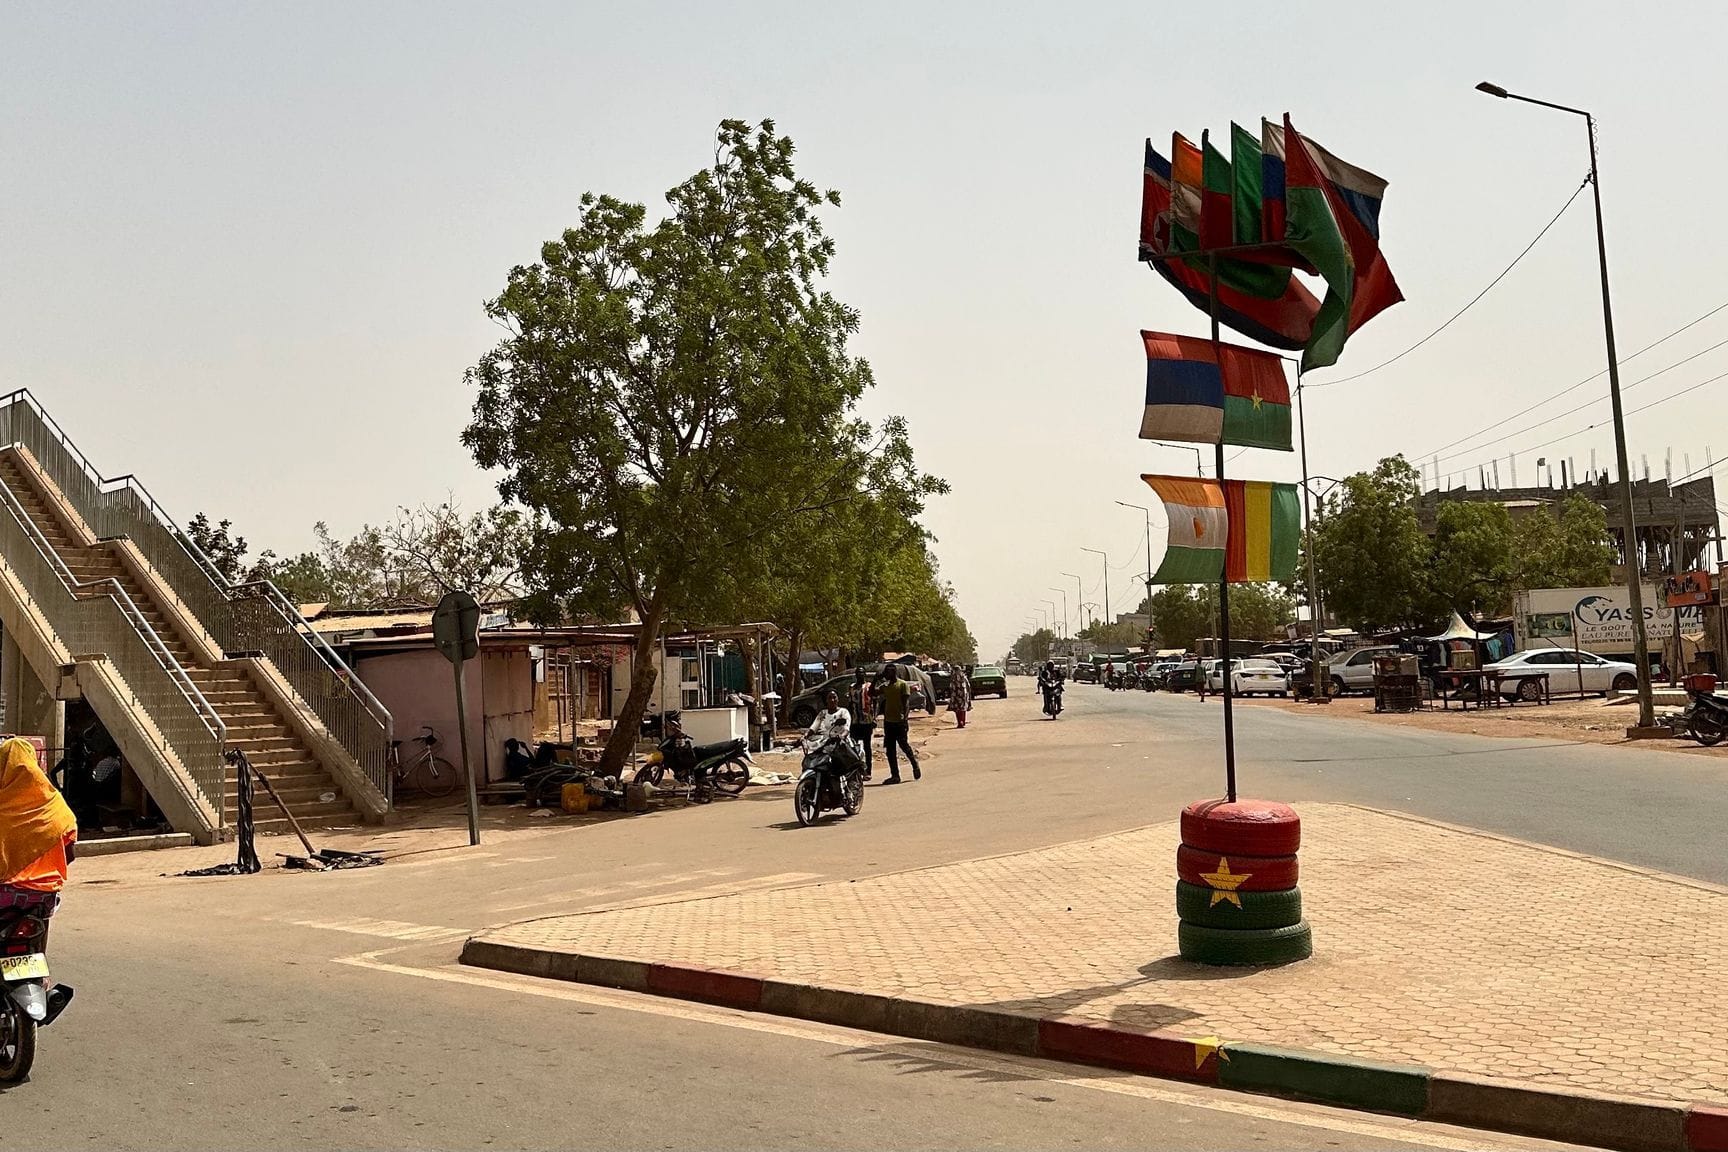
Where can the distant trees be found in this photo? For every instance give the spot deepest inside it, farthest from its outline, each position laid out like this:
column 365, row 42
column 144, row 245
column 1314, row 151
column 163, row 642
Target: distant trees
column 1183, row 613
column 1377, row 570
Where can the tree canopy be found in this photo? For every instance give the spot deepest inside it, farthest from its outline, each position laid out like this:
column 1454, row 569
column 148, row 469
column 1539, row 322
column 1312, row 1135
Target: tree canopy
column 1182, row 613
column 676, row 402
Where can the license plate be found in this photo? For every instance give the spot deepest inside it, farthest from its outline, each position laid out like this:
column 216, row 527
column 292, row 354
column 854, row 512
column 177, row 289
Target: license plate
column 31, row 967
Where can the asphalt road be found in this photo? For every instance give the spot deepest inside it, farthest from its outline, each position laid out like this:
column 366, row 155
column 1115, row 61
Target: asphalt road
column 326, row 1011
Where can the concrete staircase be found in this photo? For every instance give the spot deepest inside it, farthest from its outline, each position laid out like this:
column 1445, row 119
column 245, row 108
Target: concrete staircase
column 255, row 724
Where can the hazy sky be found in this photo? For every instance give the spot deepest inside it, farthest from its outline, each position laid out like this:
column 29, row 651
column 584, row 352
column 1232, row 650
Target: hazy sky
column 243, row 248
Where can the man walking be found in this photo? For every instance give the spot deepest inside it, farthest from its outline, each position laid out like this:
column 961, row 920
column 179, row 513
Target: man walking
column 863, row 716
column 894, row 698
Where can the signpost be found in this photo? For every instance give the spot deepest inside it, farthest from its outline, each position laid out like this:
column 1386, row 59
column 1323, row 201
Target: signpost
column 456, row 631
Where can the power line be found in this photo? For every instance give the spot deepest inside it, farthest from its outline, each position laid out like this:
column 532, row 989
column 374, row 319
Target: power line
column 1574, row 387
column 1571, row 411
column 1473, row 299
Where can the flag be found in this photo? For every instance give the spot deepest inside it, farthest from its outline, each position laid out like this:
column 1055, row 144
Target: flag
column 1199, row 394
column 1217, row 223
column 1247, row 181
column 1272, row 206
column 1276, row 311
column 1237, row 530
column 1187, row 172
column 1332, row 219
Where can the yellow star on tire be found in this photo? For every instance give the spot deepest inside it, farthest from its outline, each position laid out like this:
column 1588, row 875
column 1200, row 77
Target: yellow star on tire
column 1224, row 883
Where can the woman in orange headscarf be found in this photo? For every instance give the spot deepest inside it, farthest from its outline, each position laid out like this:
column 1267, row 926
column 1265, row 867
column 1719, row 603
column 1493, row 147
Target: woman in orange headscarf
column 37, row 832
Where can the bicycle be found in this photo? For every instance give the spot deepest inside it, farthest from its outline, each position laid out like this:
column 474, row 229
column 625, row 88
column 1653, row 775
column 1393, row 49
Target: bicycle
column 425, row 772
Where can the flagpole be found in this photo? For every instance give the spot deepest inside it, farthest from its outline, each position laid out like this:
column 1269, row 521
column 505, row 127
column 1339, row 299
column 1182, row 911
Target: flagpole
column 1320, row 689
column 1224, row 576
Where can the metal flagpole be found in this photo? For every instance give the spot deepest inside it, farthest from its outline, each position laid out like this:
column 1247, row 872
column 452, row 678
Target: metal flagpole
column 1224, row 576
column 1318, row 685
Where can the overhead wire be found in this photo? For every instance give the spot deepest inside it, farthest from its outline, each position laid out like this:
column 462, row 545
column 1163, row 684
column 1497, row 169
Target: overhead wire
column 1472, row 303
column 1574, row 387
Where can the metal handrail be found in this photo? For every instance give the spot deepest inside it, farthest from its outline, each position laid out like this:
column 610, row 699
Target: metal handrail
column 152, row 639
column 98, row 490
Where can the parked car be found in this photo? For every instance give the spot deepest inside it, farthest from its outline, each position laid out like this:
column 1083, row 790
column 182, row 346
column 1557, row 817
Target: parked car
column 1565, row 668
column 1288, row 661
column 1184, row 677
column 807, row 703
column 1086, row 673
column 1354, row 671
column 1253, row 675
column 988, row 680
column 941, row 680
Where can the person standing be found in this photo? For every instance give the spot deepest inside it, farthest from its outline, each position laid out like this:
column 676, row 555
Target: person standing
column 894, row 698
column 863, row 716
column 960, row 696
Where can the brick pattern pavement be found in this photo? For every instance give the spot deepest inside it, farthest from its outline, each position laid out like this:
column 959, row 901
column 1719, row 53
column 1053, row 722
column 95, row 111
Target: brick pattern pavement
column 1433, row 945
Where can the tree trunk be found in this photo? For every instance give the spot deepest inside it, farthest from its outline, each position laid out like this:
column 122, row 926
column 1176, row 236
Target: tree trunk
column 627, row 724
column 794, row 644
column 753, row 685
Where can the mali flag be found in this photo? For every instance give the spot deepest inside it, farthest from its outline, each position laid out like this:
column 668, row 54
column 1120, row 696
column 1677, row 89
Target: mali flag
column 1238, row 531
column 1202, row 394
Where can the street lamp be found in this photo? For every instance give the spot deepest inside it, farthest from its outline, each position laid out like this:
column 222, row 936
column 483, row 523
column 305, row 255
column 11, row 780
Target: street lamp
column 1057, row 628
column 1065, row 626
column 1079, row 599
column 1628, row 523
column 1106, row 559
column 1148, row 512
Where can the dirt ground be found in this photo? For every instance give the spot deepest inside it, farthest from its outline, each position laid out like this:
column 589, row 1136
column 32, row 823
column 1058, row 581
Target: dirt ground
column 1591, row 720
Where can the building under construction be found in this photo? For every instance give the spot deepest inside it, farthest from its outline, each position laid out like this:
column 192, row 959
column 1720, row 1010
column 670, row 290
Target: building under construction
column 1668, row 516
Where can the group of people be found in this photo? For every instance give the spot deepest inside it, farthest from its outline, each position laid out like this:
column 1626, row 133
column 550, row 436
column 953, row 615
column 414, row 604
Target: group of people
column 888, row 696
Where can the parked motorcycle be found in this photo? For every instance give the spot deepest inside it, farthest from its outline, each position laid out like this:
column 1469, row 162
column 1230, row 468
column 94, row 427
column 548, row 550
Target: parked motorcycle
column 832, row 776
column 700, row 767
column 1053, row 700
column 27, row 1000
column 1706, row 716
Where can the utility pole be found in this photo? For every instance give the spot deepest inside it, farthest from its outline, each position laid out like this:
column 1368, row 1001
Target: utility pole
column 1079, row 597
column 1106, row 559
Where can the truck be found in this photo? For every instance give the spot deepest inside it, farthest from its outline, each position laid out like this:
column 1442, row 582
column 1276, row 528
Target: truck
column 1597, row 620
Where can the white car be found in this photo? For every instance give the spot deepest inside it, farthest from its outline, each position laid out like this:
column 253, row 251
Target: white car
column 1568, row 671
column 1250, row 676
column 1354, row 671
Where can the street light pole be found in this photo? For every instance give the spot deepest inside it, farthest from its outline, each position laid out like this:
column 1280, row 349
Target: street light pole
column 1065, row 626
column 1106, row 560
column 1059, row 628
column 1079, row 597
column 1148, row 512
column 1628, row 522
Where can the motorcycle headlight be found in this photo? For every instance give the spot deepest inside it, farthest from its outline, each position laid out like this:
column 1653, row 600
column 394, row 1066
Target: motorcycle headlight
column 655, row 757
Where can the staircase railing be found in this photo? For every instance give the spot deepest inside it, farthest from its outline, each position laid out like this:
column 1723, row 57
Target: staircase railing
column 242, row 619
column 98, row 616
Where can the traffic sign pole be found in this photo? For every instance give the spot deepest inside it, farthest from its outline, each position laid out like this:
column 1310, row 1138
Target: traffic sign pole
column 456, row 631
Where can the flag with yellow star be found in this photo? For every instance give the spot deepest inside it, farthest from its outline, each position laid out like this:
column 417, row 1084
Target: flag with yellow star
column 1199, row 393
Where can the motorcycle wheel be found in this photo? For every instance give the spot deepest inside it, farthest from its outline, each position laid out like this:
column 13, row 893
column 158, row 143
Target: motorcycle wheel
column 1707, row 730
column 17, row 1042
column 852, row 793
column 652, row 774
column 730, row 777
column 804, row 802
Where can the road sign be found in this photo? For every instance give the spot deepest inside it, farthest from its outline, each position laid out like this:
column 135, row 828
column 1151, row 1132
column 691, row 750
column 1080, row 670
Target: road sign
column 456, row 631
column 456, row 627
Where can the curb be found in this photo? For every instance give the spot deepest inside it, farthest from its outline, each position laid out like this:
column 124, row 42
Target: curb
column 1410, row 1091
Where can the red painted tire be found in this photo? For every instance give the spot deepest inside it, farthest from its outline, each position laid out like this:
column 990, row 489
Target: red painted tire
column 1251, row 827
column 1258, row 873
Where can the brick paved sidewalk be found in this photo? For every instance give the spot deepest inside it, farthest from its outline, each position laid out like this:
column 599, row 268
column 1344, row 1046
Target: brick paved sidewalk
column 1433, row 946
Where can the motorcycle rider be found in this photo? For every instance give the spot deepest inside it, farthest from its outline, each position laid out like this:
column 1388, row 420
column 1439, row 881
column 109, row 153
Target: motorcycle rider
column 1049, row 677
column 834, row 722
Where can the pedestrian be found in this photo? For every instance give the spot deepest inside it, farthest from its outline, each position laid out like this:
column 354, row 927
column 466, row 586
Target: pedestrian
column 37, row 832
column 862, row 703
column 960, row 696
column 894, row 701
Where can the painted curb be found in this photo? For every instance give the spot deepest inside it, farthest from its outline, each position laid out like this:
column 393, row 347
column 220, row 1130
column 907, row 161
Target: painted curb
column 1568, row 1116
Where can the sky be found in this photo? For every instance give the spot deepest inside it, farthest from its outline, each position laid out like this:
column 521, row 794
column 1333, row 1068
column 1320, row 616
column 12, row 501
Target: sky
column 244, row 248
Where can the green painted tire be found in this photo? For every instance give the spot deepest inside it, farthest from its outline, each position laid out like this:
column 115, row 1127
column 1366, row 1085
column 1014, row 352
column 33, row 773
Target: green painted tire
column 1257, row 910
column 1251, row 947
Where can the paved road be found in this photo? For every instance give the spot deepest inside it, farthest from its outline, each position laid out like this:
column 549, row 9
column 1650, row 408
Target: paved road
column 305, row 1011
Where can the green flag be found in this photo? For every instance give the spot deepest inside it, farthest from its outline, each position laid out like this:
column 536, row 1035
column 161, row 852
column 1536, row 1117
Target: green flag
column 1246, row 188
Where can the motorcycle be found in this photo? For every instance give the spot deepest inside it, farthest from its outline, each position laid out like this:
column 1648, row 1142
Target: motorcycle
column 27, row 1000
column 832, row 776
column 1053, row 700
column 1706, row 717
column 724, row 766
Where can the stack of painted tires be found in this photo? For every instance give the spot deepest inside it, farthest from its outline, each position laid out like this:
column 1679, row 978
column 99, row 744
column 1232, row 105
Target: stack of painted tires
column 1236, row 890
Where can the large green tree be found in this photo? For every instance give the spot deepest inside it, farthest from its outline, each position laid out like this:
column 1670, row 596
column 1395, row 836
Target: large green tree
column 1183, row 613
column 1474, row 568
column 1568, row 546
column 1034, row 647
column 1370, row 552
column 676, row 400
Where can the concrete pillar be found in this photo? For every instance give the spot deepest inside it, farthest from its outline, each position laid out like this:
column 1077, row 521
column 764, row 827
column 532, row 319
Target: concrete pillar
column 27, row 707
